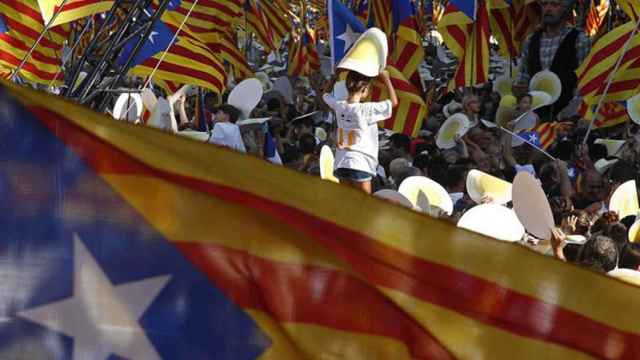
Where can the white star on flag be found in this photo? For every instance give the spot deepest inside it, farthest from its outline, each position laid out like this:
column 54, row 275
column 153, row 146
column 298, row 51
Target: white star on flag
column 153, row 33
column 349, row 37
column 101, row 318
column 533, row 138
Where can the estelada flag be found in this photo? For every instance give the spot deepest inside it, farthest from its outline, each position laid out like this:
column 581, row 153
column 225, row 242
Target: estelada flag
column 123, row 241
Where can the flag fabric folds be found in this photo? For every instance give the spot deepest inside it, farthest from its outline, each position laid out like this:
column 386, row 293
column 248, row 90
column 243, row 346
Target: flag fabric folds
column 72, row 10
column 407, row 53
column 186, row 61
column 595, row 16
column 631, row 8
column 344, row 29
column 543, row 135
column 193, row 258
column 278, row 17
column 466, row 29
column 597, row 68
column 411, row 111
column 257, row 23
column 503, row 29
column 23, row 24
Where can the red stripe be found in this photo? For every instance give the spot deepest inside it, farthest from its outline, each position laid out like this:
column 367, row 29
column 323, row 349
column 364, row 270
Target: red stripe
column 22, row 8
column 411, row 119
column 505, row 30
column 215, row 20
column 384, row 265
column 28, row 67
column 605, row 53
column 35, row 55
column 184, row 71
column 31, row 34
column 310, row 295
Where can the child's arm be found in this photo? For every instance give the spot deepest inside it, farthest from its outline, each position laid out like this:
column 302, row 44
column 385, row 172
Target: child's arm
column 386, row 79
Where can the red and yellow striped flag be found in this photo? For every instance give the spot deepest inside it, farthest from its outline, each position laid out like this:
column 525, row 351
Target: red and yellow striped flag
column 407, row 53
column 326, row 271
column 187, row 62
column 610, row 114
column 503, row 29
column 546, row 133
column 468, row 39
column 630, row 7
column 380, row 15
column 411, row 111
column 24, row 24
column 257, row 23
column 526, row 17
column 597, row 68
column 596, row 15
column 279, row 18
column 72, row 9
column 220, row 42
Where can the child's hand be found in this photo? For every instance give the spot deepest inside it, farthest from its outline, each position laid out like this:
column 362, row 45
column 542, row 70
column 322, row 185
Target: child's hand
column 384, row 74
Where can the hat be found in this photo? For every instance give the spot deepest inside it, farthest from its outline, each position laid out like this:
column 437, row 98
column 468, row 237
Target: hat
column 493, row 220
column 502, row 85
column 456, row 125
column 321, row 134
column 508, row 101
column 420, row 188
column 128, row 107
column 540, row 99
column 480, row 184
column 368, row 56
column 245, row 96
column 634, row 233
column 394, row 197
column 326, row 164
column 531, row 206
column 603, row 165
column 613, row 146
column 633, row 108
column 548, row 82
column 624, row 200
column 451, row 108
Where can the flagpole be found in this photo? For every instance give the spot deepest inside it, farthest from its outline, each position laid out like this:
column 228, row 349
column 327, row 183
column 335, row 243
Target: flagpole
column 610, row 80
column 173, row 40
column 528, row 142
column 73, row 48
column 35, row 44
column 164, row 53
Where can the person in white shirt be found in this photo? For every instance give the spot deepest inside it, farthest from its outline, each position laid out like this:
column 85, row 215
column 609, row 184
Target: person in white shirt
column 356, row 157
column 225, row 131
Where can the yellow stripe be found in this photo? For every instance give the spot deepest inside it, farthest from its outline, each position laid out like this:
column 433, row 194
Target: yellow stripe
column 75, row 14
column 209, row 221
column 470, row 339
column 36, row 25
column 282, row 348
column 553, row 281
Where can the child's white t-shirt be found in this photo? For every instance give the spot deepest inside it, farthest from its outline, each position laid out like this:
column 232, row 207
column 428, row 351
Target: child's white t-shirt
column 358, row 132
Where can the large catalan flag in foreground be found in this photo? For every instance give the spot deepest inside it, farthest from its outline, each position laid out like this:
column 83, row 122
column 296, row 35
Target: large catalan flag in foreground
column 121, row 241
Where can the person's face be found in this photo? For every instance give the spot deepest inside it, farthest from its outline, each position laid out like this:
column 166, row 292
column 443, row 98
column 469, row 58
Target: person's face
column 221, row 116
column 594, row 186
column 552, row 11
column 524, row 104
column 473, row 105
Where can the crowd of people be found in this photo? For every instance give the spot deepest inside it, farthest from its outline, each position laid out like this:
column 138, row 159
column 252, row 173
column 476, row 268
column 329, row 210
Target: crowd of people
column 577, row 176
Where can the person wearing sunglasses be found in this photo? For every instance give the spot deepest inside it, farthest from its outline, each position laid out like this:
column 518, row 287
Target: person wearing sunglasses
column 555, row 46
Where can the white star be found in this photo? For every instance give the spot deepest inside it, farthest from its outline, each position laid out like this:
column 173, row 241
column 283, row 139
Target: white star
column 349, row 37
column 101, row 318
column 533, row 138
column 571, row 172
column 153, row 33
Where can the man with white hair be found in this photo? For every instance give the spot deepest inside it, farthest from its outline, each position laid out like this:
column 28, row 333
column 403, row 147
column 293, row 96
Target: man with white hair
column 557, row 47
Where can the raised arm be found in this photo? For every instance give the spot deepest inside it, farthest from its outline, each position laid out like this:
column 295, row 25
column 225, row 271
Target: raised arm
column 386, row 79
